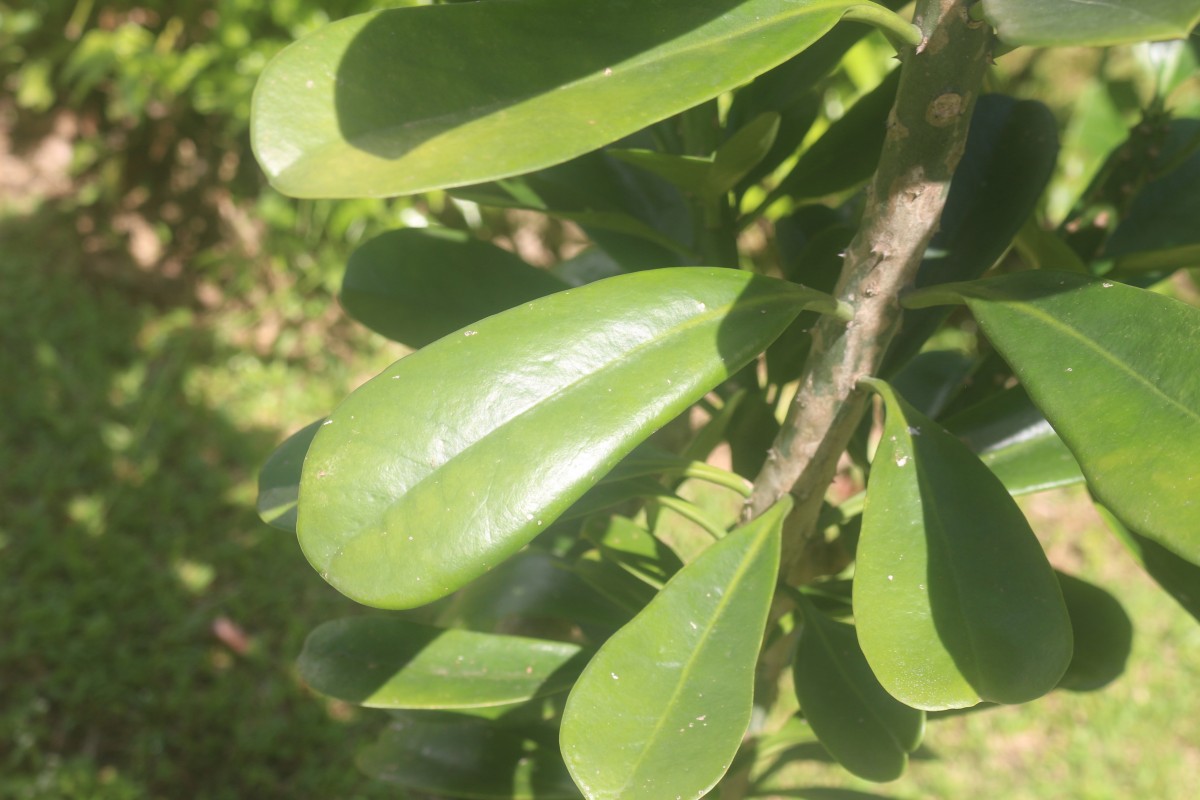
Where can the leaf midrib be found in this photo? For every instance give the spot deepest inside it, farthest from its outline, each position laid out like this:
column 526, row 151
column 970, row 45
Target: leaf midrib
column 748, row 559
column 617, row 362
column 1091, row 345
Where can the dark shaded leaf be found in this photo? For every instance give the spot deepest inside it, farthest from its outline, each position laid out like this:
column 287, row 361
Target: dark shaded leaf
column 417, row 285
column 384, row 662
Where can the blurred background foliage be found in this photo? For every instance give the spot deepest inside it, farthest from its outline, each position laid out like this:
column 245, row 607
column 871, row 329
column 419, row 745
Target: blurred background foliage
column 167, row 319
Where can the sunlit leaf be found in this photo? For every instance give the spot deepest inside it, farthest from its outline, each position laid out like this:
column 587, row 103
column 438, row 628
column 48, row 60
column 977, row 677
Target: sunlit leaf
column 1076, row 22
column 954, row 600
column 674, row 687
column 1113, row 368
column 401, row 104
column 456, row 456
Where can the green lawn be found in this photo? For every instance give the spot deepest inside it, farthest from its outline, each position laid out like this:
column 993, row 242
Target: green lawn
column 133, row 423
column 134, row 418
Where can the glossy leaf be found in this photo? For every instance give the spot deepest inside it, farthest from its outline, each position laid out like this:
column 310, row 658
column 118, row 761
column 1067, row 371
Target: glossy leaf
column 384, row 662
column 1073, row 22
column 953, row 597
column 1113, row 368
column 453, row 458
column 416, row 285
column 1103, row 635
column 454, row 756
column 1012, row 437
column 279, row 479
column 868, row 731
column 661, row 709
column 1180, row 578
column 397, row 101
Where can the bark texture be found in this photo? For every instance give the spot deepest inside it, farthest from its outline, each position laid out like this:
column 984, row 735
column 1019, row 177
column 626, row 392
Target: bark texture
column 927, row 132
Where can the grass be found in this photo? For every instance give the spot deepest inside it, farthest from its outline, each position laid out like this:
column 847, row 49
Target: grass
column 133, row 423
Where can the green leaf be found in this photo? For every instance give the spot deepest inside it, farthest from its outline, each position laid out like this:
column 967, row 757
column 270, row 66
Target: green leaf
column 416, row 285
column 621, row 587
column 633, row 548
column 1160, row 230
column 453, row 458
column 689, row 173
column 1103, row 635
column 531, row 586
column 953, row 597
column 847, row 153
column 868, row 731
column 709, row 178
column 639, row 219
column 455, row 756
column 1116, row 372
column 400, row 106
column 383, row 662
column 742, row 152
column 279, row 479
column 1180, row 578
column 1012, row 437
column 661, row 709
column 1044, row 23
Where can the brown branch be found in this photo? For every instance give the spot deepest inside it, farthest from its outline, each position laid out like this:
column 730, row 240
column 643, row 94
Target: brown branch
column 927, row 132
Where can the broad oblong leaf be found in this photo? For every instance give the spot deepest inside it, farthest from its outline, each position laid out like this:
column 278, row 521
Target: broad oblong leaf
column 661, row 709
column 1012, row 437
column 1076, row 22
column 456, row 456
column 279, row 479
column 416, row 285
column 1116, row 371
column 413, row 99
column 954, row 600
column 868, row 731
column 383, row 662
column 455, row 756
